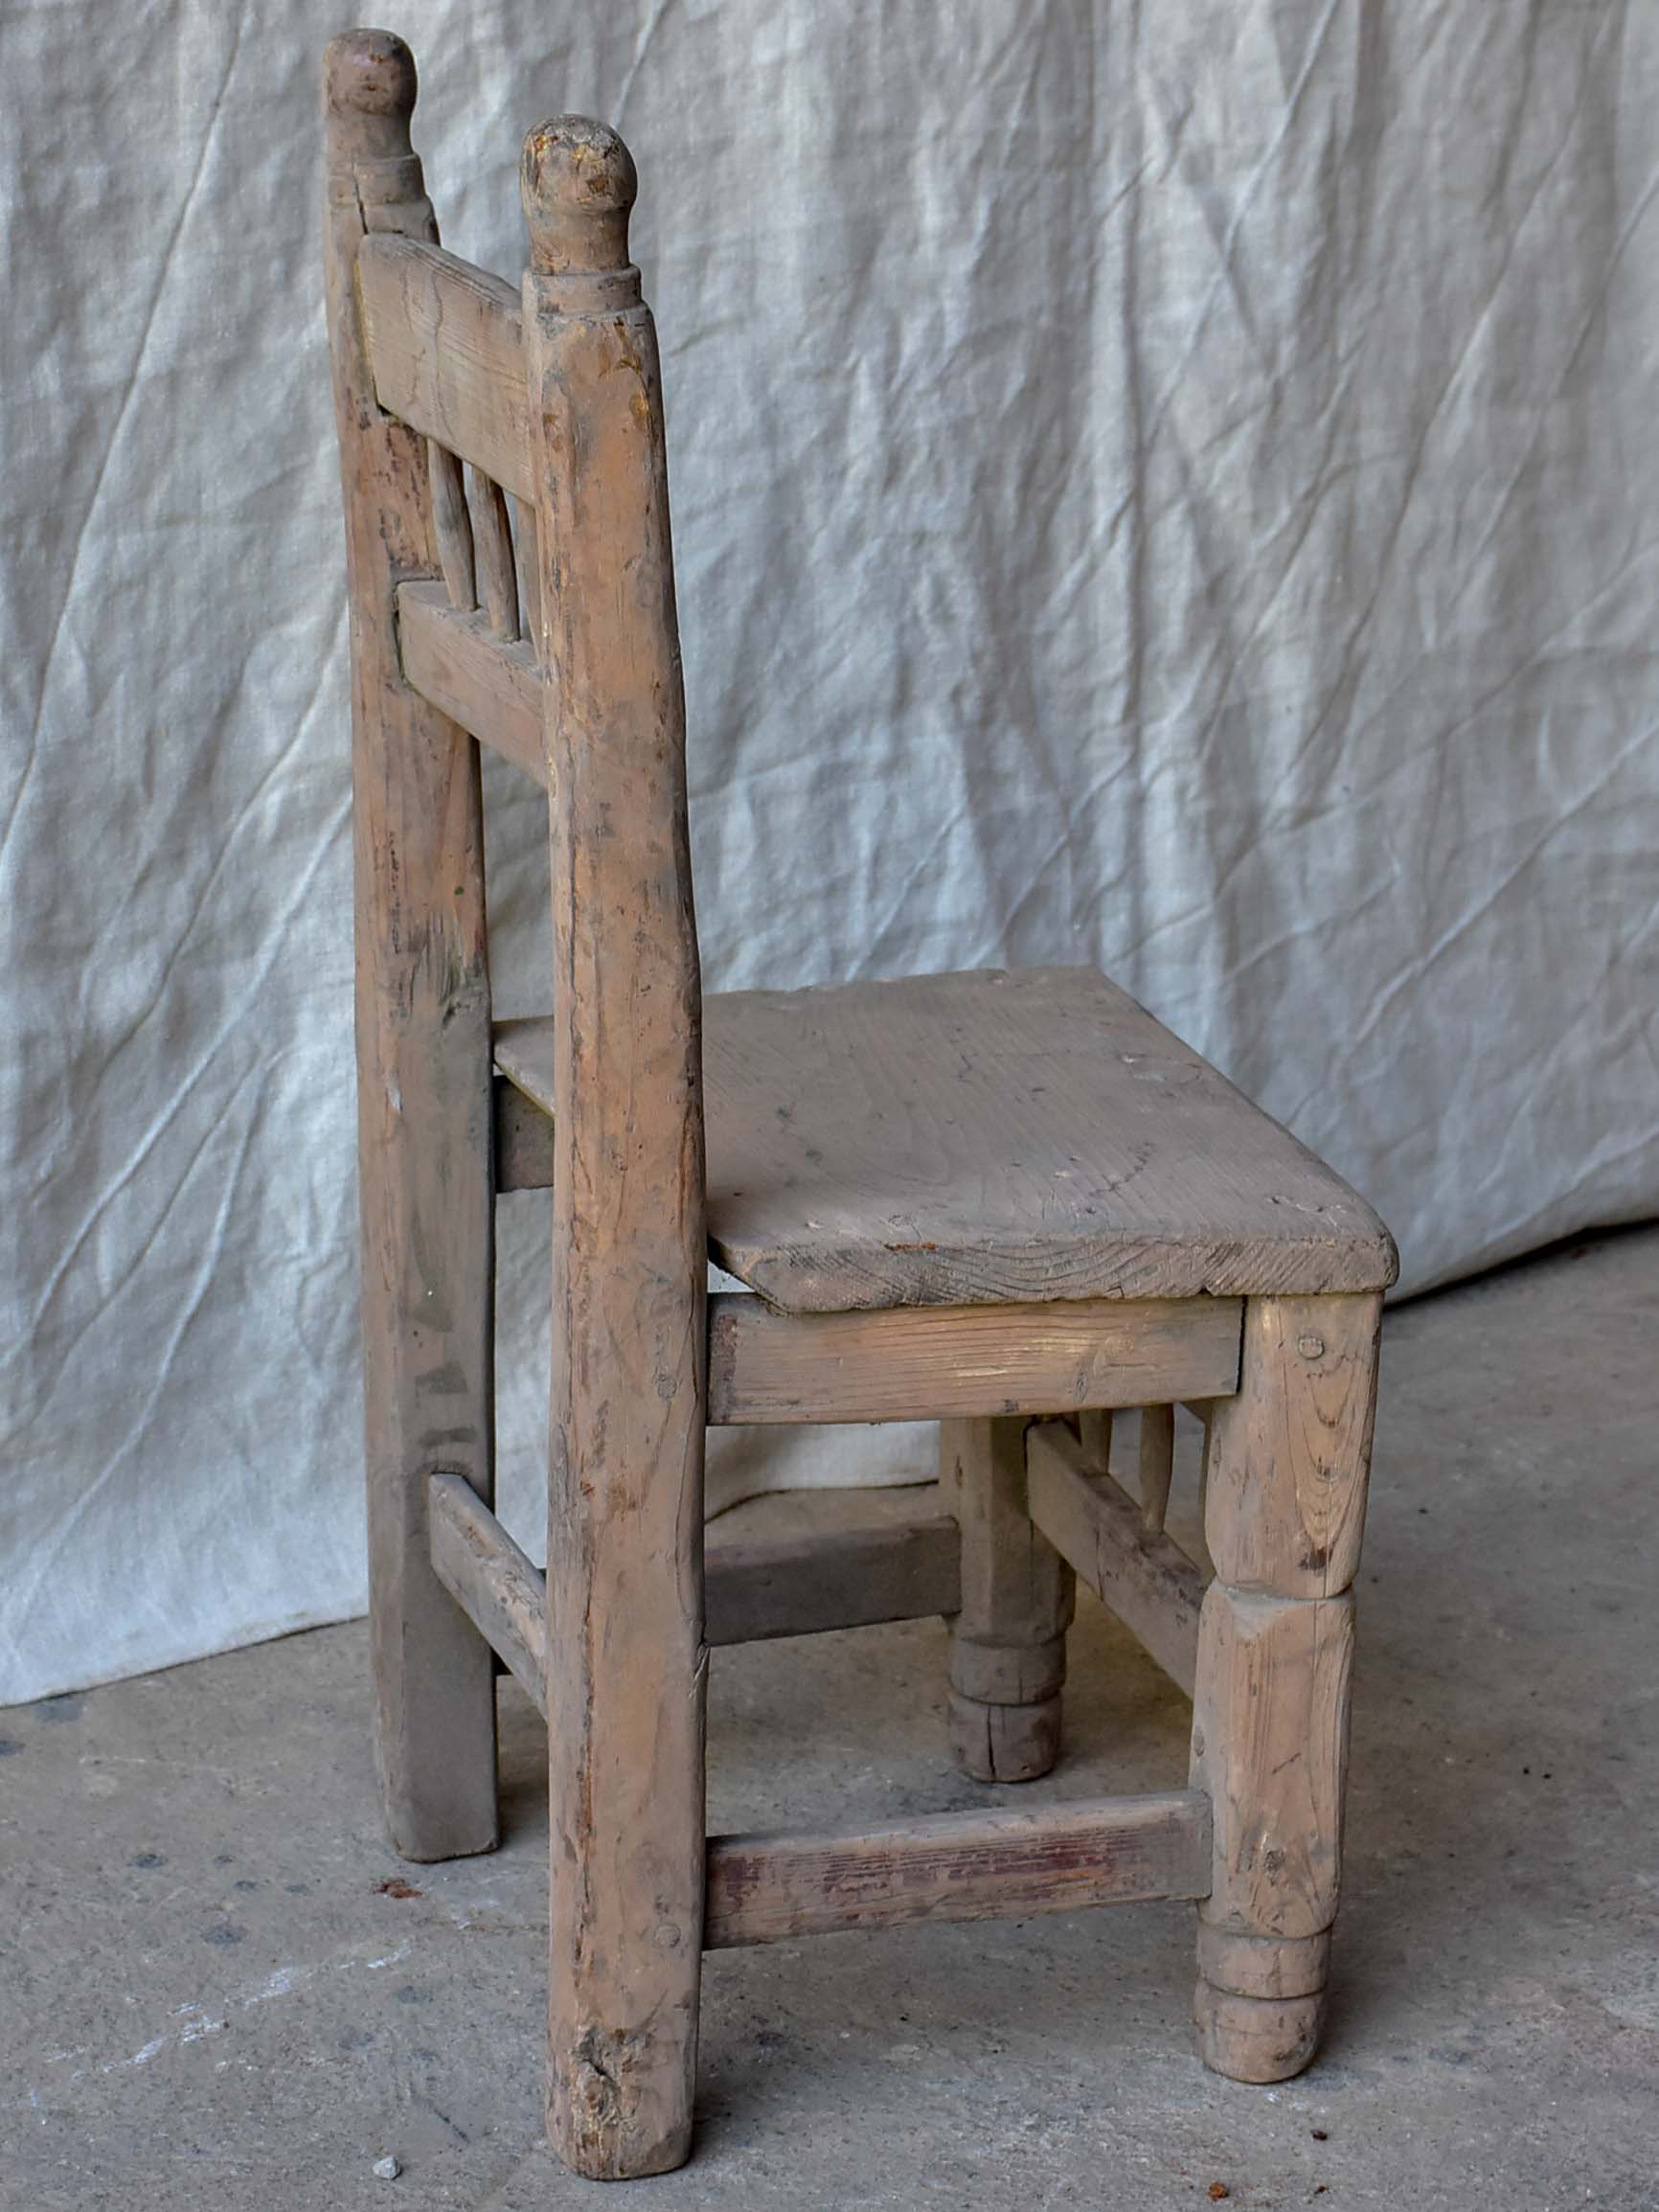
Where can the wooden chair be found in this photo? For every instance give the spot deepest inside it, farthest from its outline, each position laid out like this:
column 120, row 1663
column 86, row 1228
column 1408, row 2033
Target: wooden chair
column 1008, row 1200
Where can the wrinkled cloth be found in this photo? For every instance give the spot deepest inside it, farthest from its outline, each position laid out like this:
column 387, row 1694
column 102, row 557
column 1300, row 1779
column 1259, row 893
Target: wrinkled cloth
column 1167, row 486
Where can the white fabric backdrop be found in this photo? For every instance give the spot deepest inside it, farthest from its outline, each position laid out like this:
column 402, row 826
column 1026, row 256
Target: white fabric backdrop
column 1166, row 484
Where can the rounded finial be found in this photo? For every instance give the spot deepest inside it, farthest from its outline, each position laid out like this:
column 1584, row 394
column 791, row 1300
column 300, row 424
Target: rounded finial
column 578, row 184
column 369, row 73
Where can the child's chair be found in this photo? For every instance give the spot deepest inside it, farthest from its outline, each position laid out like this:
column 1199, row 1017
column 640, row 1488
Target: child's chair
column 1008, row 1200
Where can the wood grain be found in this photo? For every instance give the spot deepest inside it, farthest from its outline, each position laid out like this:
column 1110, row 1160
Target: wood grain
column 500, row 1590
column 445, row 345
column 1253, row 1965
column 452, row 527
column 1258, row 2038
column 1141, row 1576
column 996, row 1138
column 423, row 1023
column 1286, row 1467
column 527, row 562
column 1033, row 1135
column 755, row 1588
column 958, row 1866
column 937, row 1362
column 1270, row 1747
column 851, row 1577
column 1156, row 1465
column 1008, row 1643
column 491, row 687
column 497, row 565
column 1288, row 1458
column 1094, row 1433
column 625, row 1552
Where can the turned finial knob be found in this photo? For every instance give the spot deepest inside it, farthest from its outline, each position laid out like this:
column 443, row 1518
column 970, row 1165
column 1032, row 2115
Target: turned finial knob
column 578, row 184
column 369, row 87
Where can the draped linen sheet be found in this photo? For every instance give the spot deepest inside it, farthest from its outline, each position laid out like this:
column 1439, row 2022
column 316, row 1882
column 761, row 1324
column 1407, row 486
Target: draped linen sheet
column 1168, row 483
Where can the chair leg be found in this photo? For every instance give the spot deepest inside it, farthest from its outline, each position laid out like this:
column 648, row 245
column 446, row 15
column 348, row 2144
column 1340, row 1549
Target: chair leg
column 424, row 1052
column 428, row 1317
column 627, row 1679
column 1008, row 1645
column 626, row 1663
column 1287, row 1464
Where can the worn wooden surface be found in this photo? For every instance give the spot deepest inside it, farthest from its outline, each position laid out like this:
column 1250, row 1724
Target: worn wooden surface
column 1246, row 1965
column 1288, row 1457
column 1287, row 1467
column 422, row 1019
column 851, row 1577
column 983, row 1196
column 452, row 527
column 498, row 1588
column 992, row 1865
column 1094, row 1433
column 447, row 349
column 755, row 1588
column 626, row 1686
column 921, row 1363
column 497, row 567
column 528, row 561
column 1270, row 1744
column 1008, row 1642
column 1142, row 1576
column 490, row 686
column 1156, row 1465
column 1270, row 1751
column 996, row 1137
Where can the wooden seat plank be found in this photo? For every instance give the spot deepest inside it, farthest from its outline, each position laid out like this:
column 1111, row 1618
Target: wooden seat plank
column 990, row 1138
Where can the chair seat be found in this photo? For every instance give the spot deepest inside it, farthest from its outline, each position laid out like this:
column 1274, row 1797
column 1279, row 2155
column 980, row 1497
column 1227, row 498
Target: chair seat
column 990, row 1138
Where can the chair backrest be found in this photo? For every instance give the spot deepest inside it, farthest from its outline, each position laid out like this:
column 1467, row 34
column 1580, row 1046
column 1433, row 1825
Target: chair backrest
column 553, row 399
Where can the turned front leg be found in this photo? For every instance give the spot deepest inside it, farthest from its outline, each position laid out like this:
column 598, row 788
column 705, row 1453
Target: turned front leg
column 1287, row 1463
column 1008, row 1646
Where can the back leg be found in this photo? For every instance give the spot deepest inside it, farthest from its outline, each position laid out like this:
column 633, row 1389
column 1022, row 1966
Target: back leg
column 423, row 1037
column 1008, row 1645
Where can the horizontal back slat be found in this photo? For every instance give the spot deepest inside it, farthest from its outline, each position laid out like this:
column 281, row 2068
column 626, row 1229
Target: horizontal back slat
column 447, row 347
column 491, row 687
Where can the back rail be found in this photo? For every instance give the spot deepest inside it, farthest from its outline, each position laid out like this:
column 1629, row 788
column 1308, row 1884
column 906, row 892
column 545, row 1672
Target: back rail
column 445, row 348
column 445, row 344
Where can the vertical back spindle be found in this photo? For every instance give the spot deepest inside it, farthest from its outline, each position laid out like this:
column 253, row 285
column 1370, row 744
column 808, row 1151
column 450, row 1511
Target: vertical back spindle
column 527, row 562
column 493, row 534
column 452, row 526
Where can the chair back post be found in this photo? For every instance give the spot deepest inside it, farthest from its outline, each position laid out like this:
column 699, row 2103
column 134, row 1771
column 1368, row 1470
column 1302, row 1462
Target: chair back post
column 424, row 1026
column 624, row 1513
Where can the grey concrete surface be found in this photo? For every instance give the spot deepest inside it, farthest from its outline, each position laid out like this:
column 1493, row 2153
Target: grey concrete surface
column 217, row 1988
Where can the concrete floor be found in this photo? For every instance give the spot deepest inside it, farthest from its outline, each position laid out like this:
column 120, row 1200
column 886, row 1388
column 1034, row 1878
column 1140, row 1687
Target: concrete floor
column 211, row 1996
